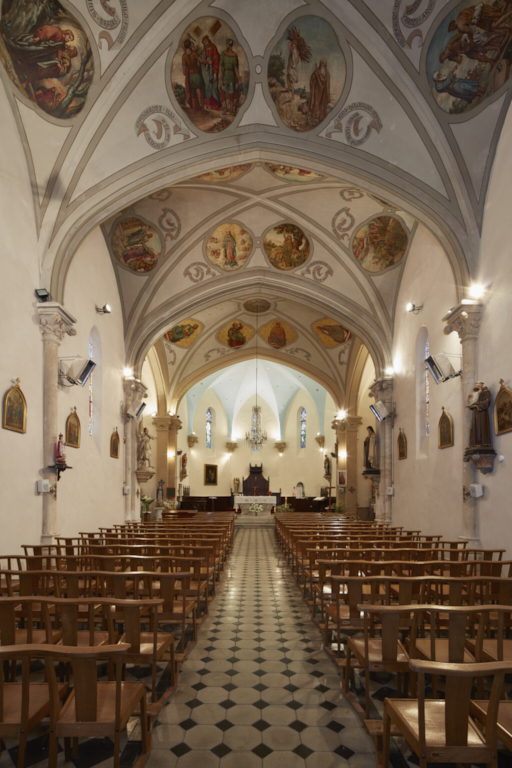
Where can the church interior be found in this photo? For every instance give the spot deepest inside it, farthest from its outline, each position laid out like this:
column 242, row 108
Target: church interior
column 256, row 289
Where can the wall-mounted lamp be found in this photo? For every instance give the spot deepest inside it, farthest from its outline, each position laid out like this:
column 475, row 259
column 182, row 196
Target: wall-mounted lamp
column 127, row 372
column 104, row 310
column 413, row 308
column 43, row 295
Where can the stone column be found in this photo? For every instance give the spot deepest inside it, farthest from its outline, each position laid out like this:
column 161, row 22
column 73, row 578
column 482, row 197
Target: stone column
column 465, row 320
column 383, row 390
column 172, row 449
column 163, row 425
column 55, row 323
column 133, row 390
column 352, row 429
column 339, row 426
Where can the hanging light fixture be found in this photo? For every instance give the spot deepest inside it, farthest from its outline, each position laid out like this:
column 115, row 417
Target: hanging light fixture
column 255, row 437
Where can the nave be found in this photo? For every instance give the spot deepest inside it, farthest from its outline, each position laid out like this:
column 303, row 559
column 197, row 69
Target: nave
column 257, row 690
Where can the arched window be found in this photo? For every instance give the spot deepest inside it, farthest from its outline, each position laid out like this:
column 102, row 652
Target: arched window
column 303, row 428
column 427, row 392
column 208, row 427
column 90, row 390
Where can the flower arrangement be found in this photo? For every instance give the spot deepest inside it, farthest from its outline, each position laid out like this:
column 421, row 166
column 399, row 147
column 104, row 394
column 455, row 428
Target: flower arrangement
column 146, row 501
column 170, row 504
column 284, row 508
column 256, row 508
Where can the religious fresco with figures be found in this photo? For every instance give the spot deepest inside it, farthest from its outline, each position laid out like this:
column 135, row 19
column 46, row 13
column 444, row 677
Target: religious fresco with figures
column 185, row 333
column 331, row 333
column 225, row 174
column 229, row 246
column 288, row 173
column 136, row 245
column 257, row 306
column 306, row 73
column 235, row 334
column 278, row 333
column 380, row 243
column 210, row 74
column 470, row 56
column 286, row 246
column 47, row 55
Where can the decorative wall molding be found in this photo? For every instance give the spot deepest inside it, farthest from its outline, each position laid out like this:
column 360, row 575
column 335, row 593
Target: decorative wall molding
column 410, row 21
column 170, row 223
column 358, row 127
column 162, row 128
column 298, row 352
column 319, row 271
column 198, row 271
column 109, row 24
column 55, row 322
column 342, row 226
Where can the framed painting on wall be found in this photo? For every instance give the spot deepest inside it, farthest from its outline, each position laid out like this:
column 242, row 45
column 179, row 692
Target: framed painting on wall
column 114, row 444
column 15, row 409
column 73, row 430
column 342, row 478
column 210, row 474
column 445, row 430
column 402, row 446
column 503, row 410
column 170, row 493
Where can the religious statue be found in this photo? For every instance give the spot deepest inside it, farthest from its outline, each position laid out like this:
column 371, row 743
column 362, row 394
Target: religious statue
column 327, row 466
column 160, row 492
column 478, row 403
column 236, row 484
column 60, row 453
column 184, row 464
column 370, row 449
column 144, row 449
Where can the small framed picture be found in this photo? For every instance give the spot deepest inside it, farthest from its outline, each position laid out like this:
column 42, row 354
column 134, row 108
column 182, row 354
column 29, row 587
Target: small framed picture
column 73, row 430
column 503, row 410
column 445, row 430
column 402, row 446
column 170, row 493
column 15, row 409
column 114, row 444
column 342, row 477
column 210, row 474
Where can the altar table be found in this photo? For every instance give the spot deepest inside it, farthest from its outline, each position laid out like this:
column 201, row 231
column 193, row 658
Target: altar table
column 244, row 502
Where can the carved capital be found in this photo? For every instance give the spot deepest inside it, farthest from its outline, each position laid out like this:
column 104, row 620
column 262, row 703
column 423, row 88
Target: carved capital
column 192, row 440
column 353, row 423
column 162, row 423
column 133, row 390
column 339, row 425
column 174, row 423
column 280, row 446
column 320, row 440
column 464, row 319
column 382, row 390
column 231, row 446
column 55, row 322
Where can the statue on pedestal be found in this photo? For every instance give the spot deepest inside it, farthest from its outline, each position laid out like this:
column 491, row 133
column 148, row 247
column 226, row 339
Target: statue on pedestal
column 370, row 449
column 478, row 403
column 60, row 452
column 144, row 449
column 160, row 492
column 327, row 466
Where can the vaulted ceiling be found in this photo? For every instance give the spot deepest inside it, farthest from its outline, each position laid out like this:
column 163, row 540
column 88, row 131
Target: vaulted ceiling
column 132, row 150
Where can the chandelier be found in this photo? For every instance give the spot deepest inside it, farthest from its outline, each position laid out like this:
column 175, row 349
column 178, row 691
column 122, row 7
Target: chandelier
column 255, row 437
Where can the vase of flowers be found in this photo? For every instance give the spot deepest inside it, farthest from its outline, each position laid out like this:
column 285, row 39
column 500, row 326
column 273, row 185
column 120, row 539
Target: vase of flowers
column 147, row 502
column 256, row 508
column 170, row 504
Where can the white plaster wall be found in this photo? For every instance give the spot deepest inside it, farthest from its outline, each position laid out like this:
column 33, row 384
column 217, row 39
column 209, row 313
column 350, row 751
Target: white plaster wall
column 21, row 455
column 90, row 495
column 428, row 484
column 284, row 472
column 494, row 351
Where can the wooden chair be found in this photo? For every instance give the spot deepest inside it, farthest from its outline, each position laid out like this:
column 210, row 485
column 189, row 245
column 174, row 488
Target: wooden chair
column 441, row 730
column 96, row 709
column 23, row 705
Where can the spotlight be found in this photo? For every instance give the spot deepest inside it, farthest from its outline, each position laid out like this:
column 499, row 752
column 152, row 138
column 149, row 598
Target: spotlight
column 43, row 295
column 413, row 308
column 389, row 371
column 104, row 310
column 476, row 291
column 127, row 372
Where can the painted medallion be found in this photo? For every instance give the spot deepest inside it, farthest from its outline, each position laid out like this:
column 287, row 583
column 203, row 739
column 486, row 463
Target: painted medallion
column 306, row 73
column 235, row 334
column 225, row 174
column 286, row 246
column 257, row 305
column 277, row 333
column 470, row 56
column 229, row 246
column 210, row 74
column 136, row 245
column 288, row 173
column 47, row 55
column 380, row 243
column 185, row 333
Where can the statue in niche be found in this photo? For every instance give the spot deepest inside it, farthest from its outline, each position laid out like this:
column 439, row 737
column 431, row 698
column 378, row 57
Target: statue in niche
column 370, row 449
column 144, row 449
column 478, row 403
column 327, row 466
column 160, row 492
column 184, row 464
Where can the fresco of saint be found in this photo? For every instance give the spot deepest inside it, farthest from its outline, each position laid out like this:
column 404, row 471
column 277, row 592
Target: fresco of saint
column 286, row 246
column 136, row 245
column 380, row 243
column 229, row 246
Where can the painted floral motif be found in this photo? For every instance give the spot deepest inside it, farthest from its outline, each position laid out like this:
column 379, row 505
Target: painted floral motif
column 136, row 245
column 225, row 174
column 229, row 246
column 380, row 243
column 470, row 56
column 210, row 74
column 306, row 73
column 286, row 246
column 47, row 55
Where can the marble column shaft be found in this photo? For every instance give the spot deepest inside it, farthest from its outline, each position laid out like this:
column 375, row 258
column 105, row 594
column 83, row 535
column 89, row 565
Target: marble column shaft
column 383, row 390
column 55, row 323
column 162, row 425
column 172, row 448
column 133, row 390
column 465, row 320
column 352, row 430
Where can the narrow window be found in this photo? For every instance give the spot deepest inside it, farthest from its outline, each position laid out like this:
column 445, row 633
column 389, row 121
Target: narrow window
column 303, row 428
column 427, row 393
column 90, row 389
column 208, row 427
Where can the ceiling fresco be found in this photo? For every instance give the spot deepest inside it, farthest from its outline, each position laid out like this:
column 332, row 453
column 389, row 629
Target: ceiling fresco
column 240, row 154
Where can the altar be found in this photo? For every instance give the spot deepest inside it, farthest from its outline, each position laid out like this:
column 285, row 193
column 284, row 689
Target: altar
column 244, row 502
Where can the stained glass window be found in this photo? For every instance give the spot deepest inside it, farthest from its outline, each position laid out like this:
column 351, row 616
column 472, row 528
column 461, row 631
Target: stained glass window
column 427, row 392
column 303, row 428
column 208, row 427
column 90, row 390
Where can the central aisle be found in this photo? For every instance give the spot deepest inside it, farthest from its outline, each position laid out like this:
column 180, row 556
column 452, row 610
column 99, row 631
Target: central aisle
column 257, row 691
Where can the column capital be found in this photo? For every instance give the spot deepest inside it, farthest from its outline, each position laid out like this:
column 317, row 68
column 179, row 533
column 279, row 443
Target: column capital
column 353, row 423
column 175, row 423
column 465, row 319
column 382, row 389
column 133, row 390
column 55, row 321
column 338, row 425
column 162, row 423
